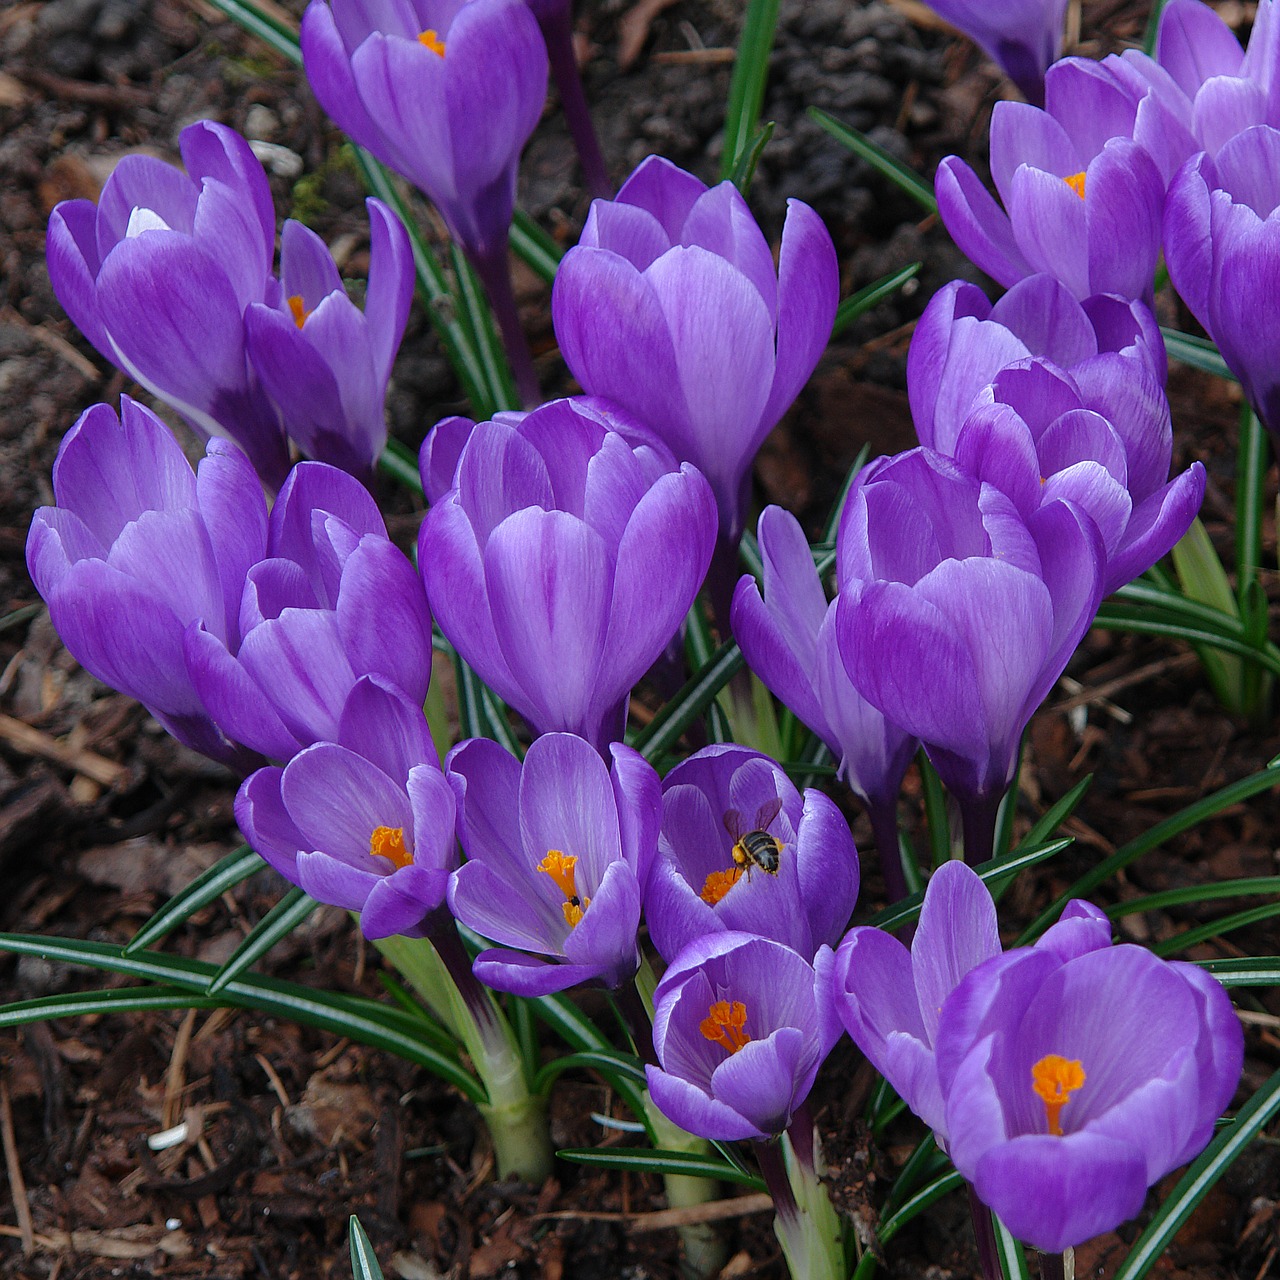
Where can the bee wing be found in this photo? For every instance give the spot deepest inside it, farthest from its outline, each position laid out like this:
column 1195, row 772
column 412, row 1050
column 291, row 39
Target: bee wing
column 733, row 824
column 767, row 812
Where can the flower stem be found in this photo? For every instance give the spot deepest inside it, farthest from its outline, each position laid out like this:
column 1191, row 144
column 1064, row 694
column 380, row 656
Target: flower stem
column 884, row 826
column 978, row 818
column 985, row 1237
column 1058, row 1266
column 557, row 31
column 495, row 275
column 806, row 1225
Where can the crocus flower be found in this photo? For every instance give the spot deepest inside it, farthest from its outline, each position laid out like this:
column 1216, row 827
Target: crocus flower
column 1222, row 244
column 137, row 549
column 332, row 600
column 1073, row 1082
column 447, row 93
column 558, row 849
column 966, row 617
column 889, row 1000
column 787, row 632
column 563, row 562
column 1082, row 200
column 1023, row 36
column 742, row 851
column 365, row 822
column 670, row 306
column 322, row 360
column 739, row 1036
column 158, row 275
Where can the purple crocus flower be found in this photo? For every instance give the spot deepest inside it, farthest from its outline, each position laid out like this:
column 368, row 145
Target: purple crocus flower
column 322, row 360
column 158, row 275
column 137, row 549
column 1076, row 1080
column 563, row 562
column 1082, row 200
column 1023, row 36
column 739, row 1035
column 365, row 822
column 1222, row 244
column 742, row 851
column 332, row 600
column 966, row 617
column 787, row 632
column 558, row 849
column 671, row 306
column 447, row 93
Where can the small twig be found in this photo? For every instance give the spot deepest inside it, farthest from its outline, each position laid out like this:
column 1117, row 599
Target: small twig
column 1138, row 676
column 97, row 95
column 17, row 1187
column 666, row 1219
column 56, row 343
column 277, row 1085
column 175, row 1077
column 35, row 742
column 696, row 57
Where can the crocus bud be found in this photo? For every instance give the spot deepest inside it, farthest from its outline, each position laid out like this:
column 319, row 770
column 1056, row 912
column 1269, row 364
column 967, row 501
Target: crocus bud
column 158, row 275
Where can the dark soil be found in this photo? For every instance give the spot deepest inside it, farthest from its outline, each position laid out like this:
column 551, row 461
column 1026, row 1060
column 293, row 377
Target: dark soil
column 102, row 817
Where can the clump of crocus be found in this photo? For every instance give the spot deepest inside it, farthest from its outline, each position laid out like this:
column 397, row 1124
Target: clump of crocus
column 787, row 632
column 447, row 94
column 158, row 275
column 1222, row 238
column 558, row 849
column 671, row 306
column 322, row 360
column 966, row 616
column 364, row 822
column 1074, row 1079
column 563, row 562
column 332, row 599
column 1023, row 36
column 137, row 550
column 742, row 851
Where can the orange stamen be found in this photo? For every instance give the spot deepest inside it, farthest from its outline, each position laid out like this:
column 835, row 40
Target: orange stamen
column 1055, row 1079
column 559, row 866
column 724, row 1025
column 718, row 883
column 432, row 41
column 1076, row 182
column 298, row 310
column 388, row 842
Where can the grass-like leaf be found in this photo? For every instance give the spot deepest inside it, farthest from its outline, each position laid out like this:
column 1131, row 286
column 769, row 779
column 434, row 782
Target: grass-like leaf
column 1248, row 971
column 364, row 1265
column 265, row 25
column 397, row 462
column 935, row 810
column 666, row 1163
column 1199, row 1179
column 1056, row 814
column 207, row 887
column 745, row 169
column 746, row 89
column 1013, row 1262
column 662, row 733
column 924, row 1162
column 1196, row 893
column 79, row 1004
column 1199, row 353
column 1116, row 617
column 612, row 1066
column 1216, row 928
column 277, row 924
column 872, row 295
column 942, row 1185
column 903, row 177
column 832, row 526
column 534, row 247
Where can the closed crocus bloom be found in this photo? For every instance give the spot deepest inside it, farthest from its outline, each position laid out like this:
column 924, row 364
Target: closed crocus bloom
column 332, row 600
column 671, row 306
column 739, row 1037
column 563, row 562
column 365, row 822
column 1082, row 200
column 741, row 850
column 558, row 849
column 158, row 275
column 325, row 362
column 1222, row 245
column 966, row 617
column 1076, row 1079
column 1023, row 36
column 137, row 549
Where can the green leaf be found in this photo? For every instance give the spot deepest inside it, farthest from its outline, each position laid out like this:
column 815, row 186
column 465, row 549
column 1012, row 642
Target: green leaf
column 1198, row 1180
column 745, row 169
column 207, row 887
column 662, row 733
column 666, row 1163
column 1114, row 617
column 266, row 26
column 1013, row 1262
column 832, row 527
column 943, row 1185
column 925, row 1161
column 534, row 247
column 1198, row 353
column 746, row 89
column 872, row 295
column 610, row 1065
column 477, row 316
column 78, row 1004
column 480, row 714
column 397, row 462
column 1248, row 971
column 277, row 924
column 364, row 1265
column 1196, row 893
column 1056, row 815
column 361, row 1019
column 935, row 810
column 1149, row 36
column 1216, row 929
column 904, row 178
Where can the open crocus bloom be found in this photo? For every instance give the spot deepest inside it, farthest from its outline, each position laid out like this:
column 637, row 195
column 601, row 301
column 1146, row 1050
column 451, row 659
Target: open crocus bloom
column 1074, row 1080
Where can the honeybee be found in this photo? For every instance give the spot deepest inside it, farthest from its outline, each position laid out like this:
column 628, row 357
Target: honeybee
column 755, row 847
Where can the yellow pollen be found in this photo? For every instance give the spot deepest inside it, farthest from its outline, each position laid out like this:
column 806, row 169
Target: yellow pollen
column 432, row 41
column 559, row 866
column 388, row 842
column 1076, row 182
column 718, row 883
column 724, row 1025
column 298, row 310
column 1055, row 1079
